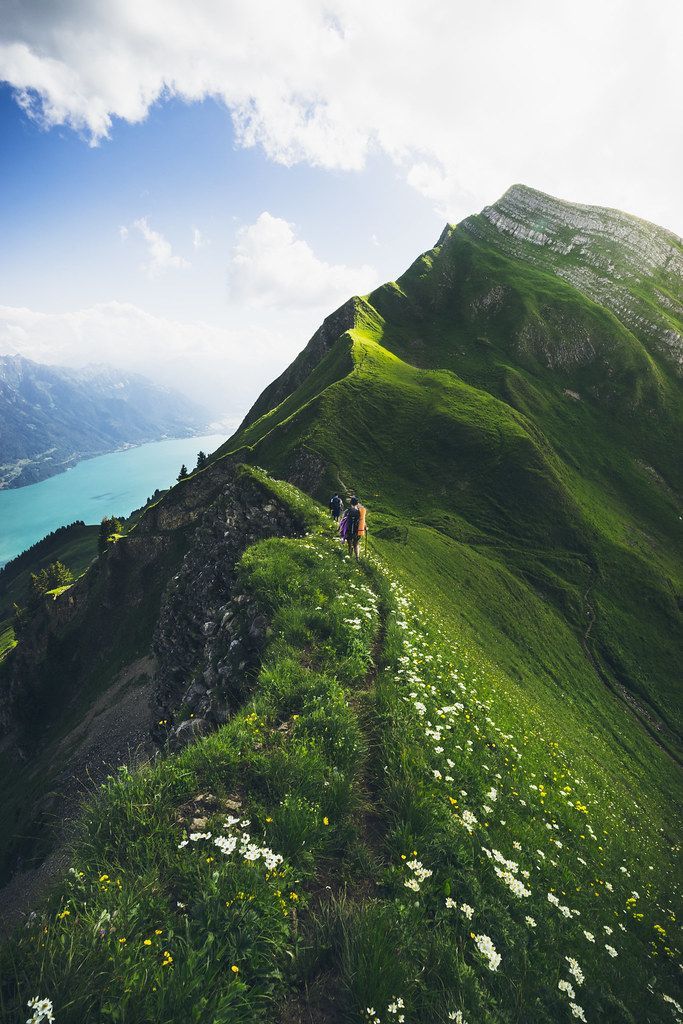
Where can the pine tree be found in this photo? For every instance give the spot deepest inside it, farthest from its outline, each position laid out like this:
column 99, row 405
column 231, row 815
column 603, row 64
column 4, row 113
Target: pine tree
column 201, row 459
column 108, row 527
column 182, row 475
column 55, row 575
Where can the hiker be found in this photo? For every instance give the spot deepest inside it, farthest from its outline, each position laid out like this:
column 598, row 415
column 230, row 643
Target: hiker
column 343, row 526
column 336, row 506
column 355, row 526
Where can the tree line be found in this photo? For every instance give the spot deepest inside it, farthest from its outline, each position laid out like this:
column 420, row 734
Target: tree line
column 202, row 461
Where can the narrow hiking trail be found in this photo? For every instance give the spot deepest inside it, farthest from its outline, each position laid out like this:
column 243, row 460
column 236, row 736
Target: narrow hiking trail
column 318, row 999
column 384, row 827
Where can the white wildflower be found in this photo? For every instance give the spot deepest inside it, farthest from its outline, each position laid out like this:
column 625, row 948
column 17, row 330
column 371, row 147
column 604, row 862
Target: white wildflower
column 42, row 1010
column 575, row 970
column 469, row 820
column 486, row 947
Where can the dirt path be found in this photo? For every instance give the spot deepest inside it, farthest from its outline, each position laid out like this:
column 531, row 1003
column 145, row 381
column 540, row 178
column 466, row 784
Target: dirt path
column 316, row 1002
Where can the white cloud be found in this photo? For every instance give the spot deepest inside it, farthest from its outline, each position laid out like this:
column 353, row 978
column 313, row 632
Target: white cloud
column 198, row 239
column 270, row 266
column 160, row 255
column 219, row 367
column 465, row 98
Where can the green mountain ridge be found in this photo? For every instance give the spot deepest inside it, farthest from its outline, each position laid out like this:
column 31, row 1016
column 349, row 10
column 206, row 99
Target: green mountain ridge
column 549, row 422
column 456, row 764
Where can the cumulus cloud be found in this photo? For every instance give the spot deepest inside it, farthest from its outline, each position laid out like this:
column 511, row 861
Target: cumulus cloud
column 464, row 98
column 219, row 367
column 160, row 255
column 270, row 266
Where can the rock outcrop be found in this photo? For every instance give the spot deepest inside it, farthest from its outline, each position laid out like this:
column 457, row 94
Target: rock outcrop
column 209, row 635
column 628, row 265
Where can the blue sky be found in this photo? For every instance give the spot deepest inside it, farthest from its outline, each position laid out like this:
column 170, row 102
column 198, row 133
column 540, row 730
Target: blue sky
column 189, row 194
column 62, row 204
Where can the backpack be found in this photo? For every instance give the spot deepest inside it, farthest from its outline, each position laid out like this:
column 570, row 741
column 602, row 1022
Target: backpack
column 352, row 522
column 343, row 525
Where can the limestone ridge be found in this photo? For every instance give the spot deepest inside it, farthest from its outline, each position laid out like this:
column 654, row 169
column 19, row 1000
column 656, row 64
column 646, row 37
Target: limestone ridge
column 630, row 266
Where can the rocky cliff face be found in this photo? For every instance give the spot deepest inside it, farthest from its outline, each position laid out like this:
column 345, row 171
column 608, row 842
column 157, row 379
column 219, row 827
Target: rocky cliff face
column 628, row 265
column 208, row 637
column 156, row 639
column 171, row 581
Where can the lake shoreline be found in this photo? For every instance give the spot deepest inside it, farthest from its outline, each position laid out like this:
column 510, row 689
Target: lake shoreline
column 114, row 483
column 76, row 460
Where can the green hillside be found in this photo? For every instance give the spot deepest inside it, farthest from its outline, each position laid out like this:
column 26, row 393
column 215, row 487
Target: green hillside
column 443, row 785
column 503, row 408
column 388, row 820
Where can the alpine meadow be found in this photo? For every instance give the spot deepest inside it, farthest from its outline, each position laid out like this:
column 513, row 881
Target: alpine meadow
column 438, row 784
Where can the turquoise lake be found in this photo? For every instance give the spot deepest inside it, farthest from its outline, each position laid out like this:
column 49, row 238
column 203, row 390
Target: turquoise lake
column 110, row 484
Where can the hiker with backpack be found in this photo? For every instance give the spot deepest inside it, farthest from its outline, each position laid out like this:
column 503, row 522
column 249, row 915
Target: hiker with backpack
column 354, row 526
column 336, row 506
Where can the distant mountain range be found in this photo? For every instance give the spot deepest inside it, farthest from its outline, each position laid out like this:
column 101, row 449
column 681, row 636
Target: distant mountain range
column 51, row 416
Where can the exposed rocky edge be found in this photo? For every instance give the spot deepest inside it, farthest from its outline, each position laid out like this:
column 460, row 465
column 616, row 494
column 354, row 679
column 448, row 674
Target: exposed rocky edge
column 606, row 254
column 209, row 635
column 332, row 327
column 116, row 603
column 154, row 630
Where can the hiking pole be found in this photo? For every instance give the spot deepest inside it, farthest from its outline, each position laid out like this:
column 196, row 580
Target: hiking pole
column 365, row 547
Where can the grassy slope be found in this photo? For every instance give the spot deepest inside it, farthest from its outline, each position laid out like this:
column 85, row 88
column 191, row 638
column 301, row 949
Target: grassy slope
column 359, row 777
column 576, row 498
column 524, row 512
column 76, row 550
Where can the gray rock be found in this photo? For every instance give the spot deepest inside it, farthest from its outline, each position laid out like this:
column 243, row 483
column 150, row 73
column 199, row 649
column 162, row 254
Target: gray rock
column 188, row 732
column 258, row 626
column 194, row 695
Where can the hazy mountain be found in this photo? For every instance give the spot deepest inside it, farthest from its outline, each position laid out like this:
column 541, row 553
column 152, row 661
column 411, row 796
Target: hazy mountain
column 51, row 417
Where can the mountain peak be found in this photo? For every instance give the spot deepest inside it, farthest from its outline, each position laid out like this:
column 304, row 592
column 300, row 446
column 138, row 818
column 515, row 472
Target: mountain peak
column 630, row 266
